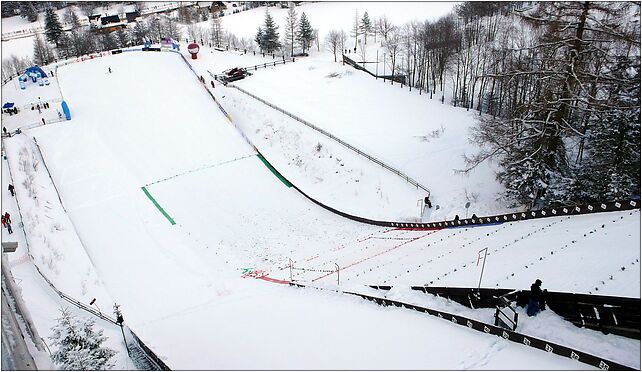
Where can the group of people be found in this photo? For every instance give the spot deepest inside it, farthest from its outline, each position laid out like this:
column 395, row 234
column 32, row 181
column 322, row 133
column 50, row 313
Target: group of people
column 39, row 108
column 6, row 222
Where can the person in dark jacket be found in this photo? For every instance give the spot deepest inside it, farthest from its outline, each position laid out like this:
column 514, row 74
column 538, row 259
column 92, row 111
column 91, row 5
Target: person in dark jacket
column 7, row 217
column 11, row 190
column 9, row 228
column 535, row 299
column 456, row 217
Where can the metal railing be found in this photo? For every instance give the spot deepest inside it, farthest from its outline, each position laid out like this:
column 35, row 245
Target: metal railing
column 342, row 142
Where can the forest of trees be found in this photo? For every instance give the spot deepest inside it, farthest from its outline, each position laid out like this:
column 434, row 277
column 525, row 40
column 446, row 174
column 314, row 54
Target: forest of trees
column 556, row 84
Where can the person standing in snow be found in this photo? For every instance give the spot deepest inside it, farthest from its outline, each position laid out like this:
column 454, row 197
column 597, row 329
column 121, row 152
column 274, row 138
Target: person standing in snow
column 4, row 221
column 109, row 69
column 9, row 228
column 4, row 130
column 7, row 217
column 11, row 190
column 535, row 298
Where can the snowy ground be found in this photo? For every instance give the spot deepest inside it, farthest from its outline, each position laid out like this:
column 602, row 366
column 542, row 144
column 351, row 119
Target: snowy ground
column 233, row 216
column 422, row 137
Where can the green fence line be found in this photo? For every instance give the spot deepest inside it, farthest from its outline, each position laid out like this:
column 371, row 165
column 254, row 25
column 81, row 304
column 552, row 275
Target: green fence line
column 276, row 173
column 158, row 206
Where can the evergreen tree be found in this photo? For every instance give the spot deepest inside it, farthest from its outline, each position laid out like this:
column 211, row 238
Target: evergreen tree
column 79, row 346
column 304, row 35
column 290, row 29
column 28, row 10
column 53, row 28
column 270, row 38
column 9, row 8
column 259, row 38
column 365, row 27
column 612, row 171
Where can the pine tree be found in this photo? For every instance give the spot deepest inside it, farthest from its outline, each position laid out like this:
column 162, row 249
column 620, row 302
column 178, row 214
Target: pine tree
column 270, row 34
column 9, row 8
column 79, row 346
column 612, row 171
column 259, row 38
column 53, row 28
column 290, row 29
column 28, row 10
column 304, row 34
column 365, row 27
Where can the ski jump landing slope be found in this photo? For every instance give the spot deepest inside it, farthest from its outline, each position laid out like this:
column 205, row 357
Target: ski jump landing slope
column 173, row 207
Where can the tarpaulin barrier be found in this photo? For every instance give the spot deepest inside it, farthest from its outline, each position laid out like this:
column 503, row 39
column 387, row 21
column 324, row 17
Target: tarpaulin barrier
column 608, row 314
column 509, row 335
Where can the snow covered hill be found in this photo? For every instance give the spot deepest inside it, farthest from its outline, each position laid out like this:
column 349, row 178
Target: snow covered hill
column 234, row 217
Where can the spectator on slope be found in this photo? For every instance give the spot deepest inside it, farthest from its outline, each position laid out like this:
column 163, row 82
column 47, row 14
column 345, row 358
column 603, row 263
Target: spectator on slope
column 43, row 121
column 11, row 190
column 9, row 228
column 536, row 299
column 4, row 221
column 109, row 69
column 474, row 217
column 7, row 217
column 456, row 217
column 4, row 130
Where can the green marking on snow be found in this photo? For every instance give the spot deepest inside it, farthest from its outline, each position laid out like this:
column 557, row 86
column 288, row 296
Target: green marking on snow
column 276, row 173
column 158, row 206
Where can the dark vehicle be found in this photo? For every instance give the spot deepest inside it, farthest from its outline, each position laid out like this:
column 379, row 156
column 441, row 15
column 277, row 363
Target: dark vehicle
column 235, row 74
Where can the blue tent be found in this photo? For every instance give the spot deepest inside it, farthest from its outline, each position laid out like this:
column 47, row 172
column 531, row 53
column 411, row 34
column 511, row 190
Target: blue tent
column 7, row 105
column 34, row 70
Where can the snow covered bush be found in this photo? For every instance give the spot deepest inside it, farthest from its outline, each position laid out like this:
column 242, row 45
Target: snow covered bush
column 79, row 346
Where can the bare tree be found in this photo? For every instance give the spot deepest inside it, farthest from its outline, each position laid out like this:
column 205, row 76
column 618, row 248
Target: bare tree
column 355, row 30
column 384, row 27
column 392, row 46
column 333, row 41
